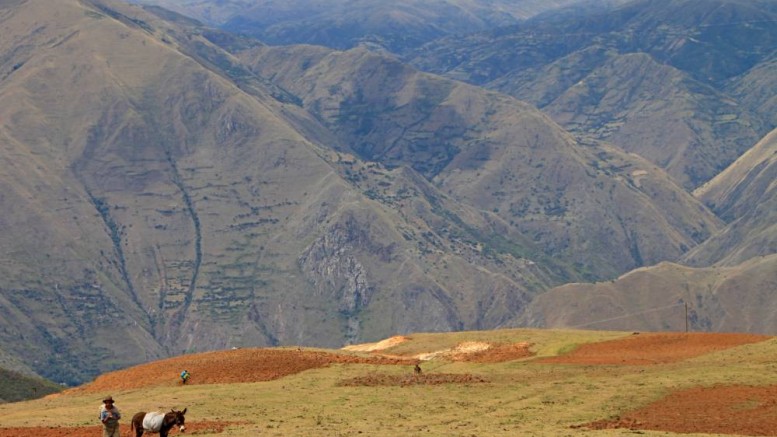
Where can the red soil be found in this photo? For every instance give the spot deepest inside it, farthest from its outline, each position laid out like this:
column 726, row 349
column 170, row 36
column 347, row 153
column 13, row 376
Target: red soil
column 653, row 348
column 226, row 367
column 193, row 428
column 740, row 410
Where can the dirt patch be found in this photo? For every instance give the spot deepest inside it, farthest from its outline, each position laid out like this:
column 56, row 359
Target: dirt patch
column 740, row 410
column 495, row 353
column 653, row 348
column 192, row 428
column 224, row 367
column 379, row 346
column 480, row 352
column 407, row 380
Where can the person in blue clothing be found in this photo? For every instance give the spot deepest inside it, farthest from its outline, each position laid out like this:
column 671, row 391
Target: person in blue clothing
column 184, row 376
column 109, row 416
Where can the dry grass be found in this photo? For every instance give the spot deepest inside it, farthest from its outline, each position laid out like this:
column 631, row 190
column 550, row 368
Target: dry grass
column 520, row 397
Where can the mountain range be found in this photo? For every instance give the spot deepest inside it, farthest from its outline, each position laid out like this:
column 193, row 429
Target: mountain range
column 171, row 186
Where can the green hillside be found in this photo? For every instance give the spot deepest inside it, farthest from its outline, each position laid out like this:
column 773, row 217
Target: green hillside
column 15, row 387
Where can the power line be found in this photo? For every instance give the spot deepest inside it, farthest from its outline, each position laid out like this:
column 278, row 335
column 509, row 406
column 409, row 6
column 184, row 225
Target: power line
column 625, row 316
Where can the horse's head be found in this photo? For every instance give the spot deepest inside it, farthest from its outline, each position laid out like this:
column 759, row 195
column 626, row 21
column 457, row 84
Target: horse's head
column 177, row 417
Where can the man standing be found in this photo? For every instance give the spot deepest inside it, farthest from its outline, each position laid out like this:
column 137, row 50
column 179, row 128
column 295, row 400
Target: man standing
column 109, row 416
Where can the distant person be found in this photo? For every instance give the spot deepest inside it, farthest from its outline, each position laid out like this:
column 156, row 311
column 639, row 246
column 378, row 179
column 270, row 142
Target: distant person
column 185, row 376
column 417, row 369
column 109, row 416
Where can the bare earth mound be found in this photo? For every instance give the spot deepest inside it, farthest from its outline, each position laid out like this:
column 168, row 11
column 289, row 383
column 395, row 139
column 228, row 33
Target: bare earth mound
column 653, row 348
column 739, row 410
column 225, row 367
column 495, row 353
column 405, row 380
column 480, row 352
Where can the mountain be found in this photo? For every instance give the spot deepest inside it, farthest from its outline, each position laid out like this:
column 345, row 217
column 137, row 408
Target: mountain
column 718, row 299
column 169, row 188
column 601, row 210
column 158, row 199
column 342, row 24
column 745, row 196
column 755, row 89
column 728, row 281
column 679, row 82
column 161, row 195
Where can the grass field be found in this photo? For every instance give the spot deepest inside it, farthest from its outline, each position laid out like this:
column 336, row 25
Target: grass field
column 523, row 397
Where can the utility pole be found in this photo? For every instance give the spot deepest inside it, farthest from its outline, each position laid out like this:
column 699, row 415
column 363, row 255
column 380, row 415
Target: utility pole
column 686, row 316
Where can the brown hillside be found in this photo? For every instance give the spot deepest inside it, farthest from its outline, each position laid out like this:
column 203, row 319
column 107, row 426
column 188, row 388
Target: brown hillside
column 227, row 367
column 653, row 348
column 744, row 195
column 720, row 299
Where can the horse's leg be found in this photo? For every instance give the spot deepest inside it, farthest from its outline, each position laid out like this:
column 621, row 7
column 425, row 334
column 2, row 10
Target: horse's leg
column 138, row 428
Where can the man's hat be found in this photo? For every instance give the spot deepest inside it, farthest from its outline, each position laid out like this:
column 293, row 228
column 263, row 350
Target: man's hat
column 108, row 399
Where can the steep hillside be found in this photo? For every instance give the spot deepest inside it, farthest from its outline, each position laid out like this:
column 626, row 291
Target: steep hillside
column 644, row 68
column 654, row 110
column 755, row 89
column 720, row 299
column 731, row 288
column 589, row 204
column 15, row 387
column 158, row 198
column 745, row 195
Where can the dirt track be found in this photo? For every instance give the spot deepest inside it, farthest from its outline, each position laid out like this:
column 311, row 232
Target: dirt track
column 725, row 409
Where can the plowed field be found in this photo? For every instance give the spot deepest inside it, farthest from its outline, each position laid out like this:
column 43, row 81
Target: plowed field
column 225, row 367
column 653, row 348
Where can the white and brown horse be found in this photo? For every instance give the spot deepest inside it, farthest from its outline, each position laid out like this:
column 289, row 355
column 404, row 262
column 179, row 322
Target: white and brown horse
column 157, row 422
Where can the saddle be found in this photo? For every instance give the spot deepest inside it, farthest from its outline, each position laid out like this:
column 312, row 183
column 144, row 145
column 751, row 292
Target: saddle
column 152, row 422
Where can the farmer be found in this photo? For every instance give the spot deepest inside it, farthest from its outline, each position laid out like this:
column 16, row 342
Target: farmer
column 109, row 416
column 184, row 376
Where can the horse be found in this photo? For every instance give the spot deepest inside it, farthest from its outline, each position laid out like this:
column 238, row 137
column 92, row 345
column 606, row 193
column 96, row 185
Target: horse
column 157, row 422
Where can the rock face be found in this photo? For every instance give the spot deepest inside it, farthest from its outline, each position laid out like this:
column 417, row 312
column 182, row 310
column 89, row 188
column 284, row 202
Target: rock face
column 331, row 264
